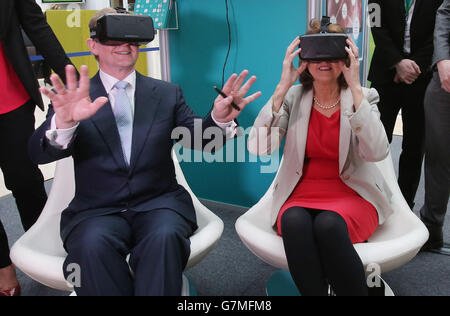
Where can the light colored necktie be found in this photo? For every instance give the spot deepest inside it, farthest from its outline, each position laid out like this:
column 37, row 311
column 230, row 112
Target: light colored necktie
column 124, row 118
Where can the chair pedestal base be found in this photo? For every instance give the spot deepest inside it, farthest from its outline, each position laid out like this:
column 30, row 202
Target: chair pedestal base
column 282, row 284
column 188, row 288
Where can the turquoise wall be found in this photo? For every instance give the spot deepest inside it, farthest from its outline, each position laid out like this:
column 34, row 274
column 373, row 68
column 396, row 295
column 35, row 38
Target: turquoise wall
column 261, row 32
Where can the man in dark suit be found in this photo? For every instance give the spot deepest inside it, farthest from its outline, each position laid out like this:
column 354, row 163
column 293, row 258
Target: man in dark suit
column 437, row 123
column 127, row 199
column 19, row 96
column 400, row 71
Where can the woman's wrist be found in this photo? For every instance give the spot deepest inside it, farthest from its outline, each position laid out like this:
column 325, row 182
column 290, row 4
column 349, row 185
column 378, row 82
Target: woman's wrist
column 358, row 95
column 278, row 97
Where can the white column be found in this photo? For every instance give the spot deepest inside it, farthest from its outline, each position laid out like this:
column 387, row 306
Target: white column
column 154, row 59
column 315, row 8
column 366, row 44
column 165, row 55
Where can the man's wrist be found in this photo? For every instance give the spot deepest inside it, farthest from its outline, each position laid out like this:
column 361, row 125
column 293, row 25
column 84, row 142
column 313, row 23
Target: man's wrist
column 219, row 122
column 64, row 125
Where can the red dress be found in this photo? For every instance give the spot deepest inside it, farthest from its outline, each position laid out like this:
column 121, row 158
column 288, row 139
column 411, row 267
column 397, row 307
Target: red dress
column 13, row 93
column 321, row 187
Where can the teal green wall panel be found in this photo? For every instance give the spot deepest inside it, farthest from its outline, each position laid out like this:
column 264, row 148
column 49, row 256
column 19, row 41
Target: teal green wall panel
column 261, row 30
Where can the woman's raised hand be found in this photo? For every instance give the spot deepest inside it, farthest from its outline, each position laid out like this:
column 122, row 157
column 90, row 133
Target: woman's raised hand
column 290, row 73
column 352, row 72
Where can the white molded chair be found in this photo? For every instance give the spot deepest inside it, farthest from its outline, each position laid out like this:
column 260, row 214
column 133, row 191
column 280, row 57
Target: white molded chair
column 39, row 253
column 393, row 244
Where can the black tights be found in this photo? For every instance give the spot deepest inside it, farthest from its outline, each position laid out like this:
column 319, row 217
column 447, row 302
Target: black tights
column 319, row 252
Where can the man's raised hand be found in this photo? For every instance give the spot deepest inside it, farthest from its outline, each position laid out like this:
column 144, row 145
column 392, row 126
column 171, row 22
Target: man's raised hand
column 72, row 104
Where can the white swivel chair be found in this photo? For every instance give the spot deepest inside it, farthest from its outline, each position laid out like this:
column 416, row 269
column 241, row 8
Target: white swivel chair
column 39, row 253
column 394, row 244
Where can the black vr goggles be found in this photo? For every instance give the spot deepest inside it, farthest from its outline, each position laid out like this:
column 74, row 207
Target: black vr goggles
column 124, row 28
column 324, row 46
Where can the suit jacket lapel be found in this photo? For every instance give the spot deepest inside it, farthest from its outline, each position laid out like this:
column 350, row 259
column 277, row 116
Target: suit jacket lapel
column 147, row 99
column 105, row 122
column 346, row 130
column 416, row 9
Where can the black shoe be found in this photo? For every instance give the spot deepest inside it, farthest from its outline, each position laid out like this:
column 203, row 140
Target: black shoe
column 436, row 240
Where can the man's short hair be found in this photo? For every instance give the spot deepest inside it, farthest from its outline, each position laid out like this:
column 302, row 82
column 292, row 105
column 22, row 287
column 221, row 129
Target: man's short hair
column 99, row 14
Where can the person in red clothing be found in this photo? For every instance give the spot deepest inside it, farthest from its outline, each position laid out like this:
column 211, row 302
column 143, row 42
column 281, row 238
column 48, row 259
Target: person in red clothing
column 328, row 194
column 19, row 95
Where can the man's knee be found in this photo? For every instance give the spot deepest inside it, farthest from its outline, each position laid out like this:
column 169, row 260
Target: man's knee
column 165, row 237
column 92, row 240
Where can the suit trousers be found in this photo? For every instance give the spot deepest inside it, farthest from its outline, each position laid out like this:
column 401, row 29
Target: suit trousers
column 410, row 100
column 157, row 243
column 437, row 154
column 21, row 176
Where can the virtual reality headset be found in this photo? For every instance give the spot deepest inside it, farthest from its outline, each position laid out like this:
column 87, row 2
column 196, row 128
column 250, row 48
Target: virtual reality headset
column 324, row 46
column 124, row 28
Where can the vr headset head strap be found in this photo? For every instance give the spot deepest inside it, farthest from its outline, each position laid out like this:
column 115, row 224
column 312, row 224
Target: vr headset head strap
column 326, row 21
column 121, row 10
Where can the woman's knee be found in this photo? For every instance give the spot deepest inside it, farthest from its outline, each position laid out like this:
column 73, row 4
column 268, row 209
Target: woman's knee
column 329, row 226
column 294, row 219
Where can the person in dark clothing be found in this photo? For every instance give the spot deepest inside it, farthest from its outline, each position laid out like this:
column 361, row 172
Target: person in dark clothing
column 400, row 72
column 19, row 95
column 437, row 129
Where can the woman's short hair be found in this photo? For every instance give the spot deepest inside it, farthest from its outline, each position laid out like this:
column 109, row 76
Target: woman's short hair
column 314, row 28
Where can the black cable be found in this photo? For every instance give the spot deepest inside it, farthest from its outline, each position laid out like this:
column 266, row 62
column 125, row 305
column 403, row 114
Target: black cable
column 229, row 43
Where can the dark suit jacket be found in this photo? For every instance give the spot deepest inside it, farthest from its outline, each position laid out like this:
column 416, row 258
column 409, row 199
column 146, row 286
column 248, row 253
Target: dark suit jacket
column 104, row 183
column 390, row 38
column 26, row 14
column 442, row 33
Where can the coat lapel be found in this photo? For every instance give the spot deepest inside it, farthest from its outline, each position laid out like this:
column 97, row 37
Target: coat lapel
column 346, row 130
column 302, row 124
column 5, row 15
column 105, row 122
column 147, row 99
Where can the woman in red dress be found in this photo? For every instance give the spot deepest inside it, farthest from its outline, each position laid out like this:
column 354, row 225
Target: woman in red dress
column 324, row 213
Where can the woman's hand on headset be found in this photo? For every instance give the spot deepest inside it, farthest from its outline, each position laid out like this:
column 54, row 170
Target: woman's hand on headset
column 352, row 72
column 290, row 73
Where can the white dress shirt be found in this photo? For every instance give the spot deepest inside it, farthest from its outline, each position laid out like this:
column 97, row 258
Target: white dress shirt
column 407, row 44
column 61, row 138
